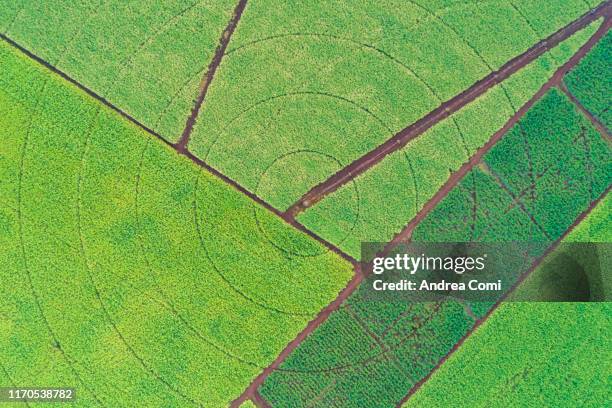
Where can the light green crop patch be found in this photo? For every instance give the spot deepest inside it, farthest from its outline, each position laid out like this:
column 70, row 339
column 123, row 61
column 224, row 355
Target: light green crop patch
column 305, row 89
column 528, row 355
column 380, row 202
column 146, row 57
column 128, row 272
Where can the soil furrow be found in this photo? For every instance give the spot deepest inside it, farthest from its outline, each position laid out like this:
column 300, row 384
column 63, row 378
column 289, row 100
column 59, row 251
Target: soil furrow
column 260, row 401
column 594, row 121
column 535, row 264
column 447, row 108
column 210, row 73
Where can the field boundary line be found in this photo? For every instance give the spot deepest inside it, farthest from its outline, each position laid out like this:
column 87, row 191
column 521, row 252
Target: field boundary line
column 520, row 280
column 208, row 77
column 601, row 128
column 406, row 233
column 83, row 88
column 183, row 152
column 260, row 401
column 321, row 317
column 400, row 139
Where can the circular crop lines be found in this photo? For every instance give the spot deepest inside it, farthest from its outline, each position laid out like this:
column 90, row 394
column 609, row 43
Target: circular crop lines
column 318, row 37
column 431, row 15
column 219, row 271
column 167, row 303
column 327, row 159
column 129, row 347
column 370, row 47
column 127, row 63
column 35, row 294
column 316, row 157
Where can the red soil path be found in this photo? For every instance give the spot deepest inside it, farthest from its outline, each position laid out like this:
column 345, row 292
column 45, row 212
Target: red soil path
column 449, row 107
column 260, row 401
column 210, row 73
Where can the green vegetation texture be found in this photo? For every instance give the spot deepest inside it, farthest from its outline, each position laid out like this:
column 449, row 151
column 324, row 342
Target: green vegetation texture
column 530, row 187
column 127, row 271
column 528, row 355
column 590, row 81
column 305, row 88
column 146, row 57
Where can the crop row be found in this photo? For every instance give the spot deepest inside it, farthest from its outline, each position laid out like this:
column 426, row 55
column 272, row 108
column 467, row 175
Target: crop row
column 590, row 82
column 529, row 188
column 125, row 269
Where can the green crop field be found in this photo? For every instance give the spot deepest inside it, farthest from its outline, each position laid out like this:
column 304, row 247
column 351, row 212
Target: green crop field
column 187, row 190
column 87, row 257
column 532, row 371
column 590, row 81
column 491, row 204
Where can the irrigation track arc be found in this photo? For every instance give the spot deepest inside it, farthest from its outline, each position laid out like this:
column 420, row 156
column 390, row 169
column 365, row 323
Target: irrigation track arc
column 446, row 109
column 167, row 303
column 83, row 252
column 35, row 295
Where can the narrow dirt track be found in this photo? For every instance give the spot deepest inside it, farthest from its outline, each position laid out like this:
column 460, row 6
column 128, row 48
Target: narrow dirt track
column 310, row 327
column 594, row 121
column 210, row 74
column 535, row 264
column 449, row 107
